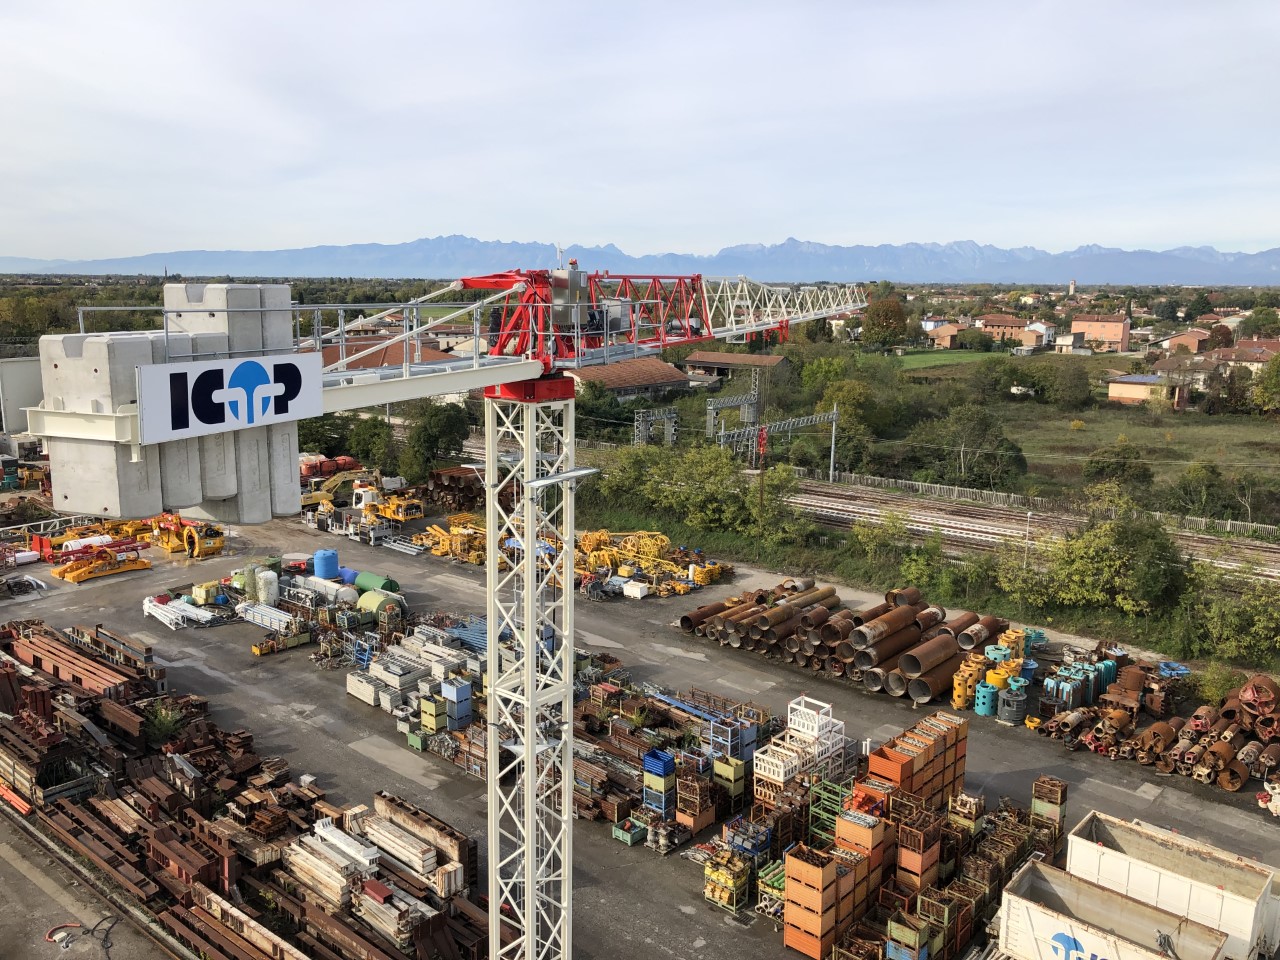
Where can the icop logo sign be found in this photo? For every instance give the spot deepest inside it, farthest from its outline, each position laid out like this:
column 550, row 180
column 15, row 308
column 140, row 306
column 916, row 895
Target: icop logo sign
column 181, row 400
column 1067, row 947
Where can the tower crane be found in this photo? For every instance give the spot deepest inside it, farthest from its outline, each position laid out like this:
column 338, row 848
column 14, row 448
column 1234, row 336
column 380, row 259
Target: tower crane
column 529, row 328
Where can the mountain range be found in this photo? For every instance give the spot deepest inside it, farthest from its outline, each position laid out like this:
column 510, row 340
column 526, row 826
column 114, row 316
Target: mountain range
column 792, row 260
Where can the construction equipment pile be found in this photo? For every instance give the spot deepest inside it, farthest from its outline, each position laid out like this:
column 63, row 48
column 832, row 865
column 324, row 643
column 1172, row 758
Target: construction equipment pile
column 205, row 832
column 458, row 489
column 903, row 646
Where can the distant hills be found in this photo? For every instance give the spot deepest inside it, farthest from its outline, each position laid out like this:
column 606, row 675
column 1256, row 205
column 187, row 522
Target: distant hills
column 791, row 260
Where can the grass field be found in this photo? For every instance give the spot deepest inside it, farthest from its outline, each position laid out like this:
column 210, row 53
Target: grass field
column 1055, row 453
column 940, row 358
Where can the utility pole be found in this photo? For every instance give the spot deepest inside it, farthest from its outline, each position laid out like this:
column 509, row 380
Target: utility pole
column 1026, row 543
column 762, row 446
column 831, row 465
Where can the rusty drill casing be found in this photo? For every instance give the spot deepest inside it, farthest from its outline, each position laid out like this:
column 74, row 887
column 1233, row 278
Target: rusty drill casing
column 796, row 584
column 792, row 606
column 1230, row 710
column 895, row 684
column 935, row 682
column 873, row 679
column 728, row 618
column 845, row 652
column 783, row 630
column 1233, row 777
column 959, row 623
column 871, row 656
column 815, row 617
column 691, row 620
column 903, row 596
column 881, row 627
column 870, row 613
column 836, row 629
column 977, row 634
column 928, row 655
column 930, row 616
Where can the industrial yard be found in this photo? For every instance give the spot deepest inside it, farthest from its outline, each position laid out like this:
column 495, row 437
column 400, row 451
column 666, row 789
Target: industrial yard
column 303, row 714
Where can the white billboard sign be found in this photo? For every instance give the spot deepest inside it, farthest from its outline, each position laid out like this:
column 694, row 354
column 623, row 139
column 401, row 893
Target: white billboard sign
column 177, row 401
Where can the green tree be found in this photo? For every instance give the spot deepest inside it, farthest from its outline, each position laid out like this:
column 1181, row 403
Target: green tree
column 1219, row 336
column 817, row 374
column 1120, row 461
column 325, row 434
column 989, row 379
column 1069, row 389
column 1198, row 306
column 436, row 430
column 975, row 339
column 1200, row 491
column 1261, row 322
column 370, row 441
column 1266, row 389
column 600, row 415
column 884, row 323
column 966, row 448
column 1166, row 310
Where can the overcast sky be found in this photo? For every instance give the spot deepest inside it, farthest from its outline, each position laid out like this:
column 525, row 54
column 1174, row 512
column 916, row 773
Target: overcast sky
column 140, row 127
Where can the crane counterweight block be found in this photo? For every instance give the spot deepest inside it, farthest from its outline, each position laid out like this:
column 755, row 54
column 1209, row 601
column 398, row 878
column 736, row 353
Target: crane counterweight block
column 543, row 390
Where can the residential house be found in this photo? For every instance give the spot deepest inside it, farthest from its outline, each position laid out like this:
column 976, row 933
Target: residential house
column 1071, row 343
column 1137, row 388
column 1105, row 333
column 946, row 336
column 642, row 377
column 1248, row 355
column 710, row 363
column 1208, row 320
column 1047, row 329
column 1194, row 340
column 1014, row 330
column 1191, row 370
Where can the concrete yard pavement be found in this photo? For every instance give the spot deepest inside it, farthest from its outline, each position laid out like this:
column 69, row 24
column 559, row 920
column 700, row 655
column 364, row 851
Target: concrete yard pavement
column 629, row 902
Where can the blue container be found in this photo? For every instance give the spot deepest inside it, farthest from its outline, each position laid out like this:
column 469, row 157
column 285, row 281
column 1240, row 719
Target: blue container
column 1029, row 667
column 1018, row 684
column 457, row 690
column 348, row 575
column 659, row 762
column 326, row 563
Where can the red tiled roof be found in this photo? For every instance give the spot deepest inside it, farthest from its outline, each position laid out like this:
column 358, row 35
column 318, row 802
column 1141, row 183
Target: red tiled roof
column 640, row 372
column 390, row 354
column 1247, row 354
column 712, row 358
column 1099, row 318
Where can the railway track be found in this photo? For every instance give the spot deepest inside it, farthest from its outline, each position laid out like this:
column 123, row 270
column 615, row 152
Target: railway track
column 988, row 528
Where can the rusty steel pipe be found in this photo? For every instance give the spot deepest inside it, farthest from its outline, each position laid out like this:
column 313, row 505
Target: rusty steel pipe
column 979, row 633
column 1233, row 776
column 792, row 606
column 816, row 616
column 873, row 679
column 730, row 618
column 935, row 682
column 799, row 659
column 691, row 620
column 835, row 667
column 930, row 617
column 783, row 630
column 881, row 627
column 904, row 639
column 797, row 584
column 959, row 623
column 736, row 640
column 807, row 646
column 836, row 629
column 895, row 684
column 845, row 652
column 870, row 613
column 792, row 643
column 815, row 664
column 928, row 655
column 903, row 596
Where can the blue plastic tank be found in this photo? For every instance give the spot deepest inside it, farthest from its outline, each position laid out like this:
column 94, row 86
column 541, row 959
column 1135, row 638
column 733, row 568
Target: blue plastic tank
column 326, row 562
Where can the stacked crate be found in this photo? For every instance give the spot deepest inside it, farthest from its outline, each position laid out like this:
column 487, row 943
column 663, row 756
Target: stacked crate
column 853, row 887
column 695, row 802
column 919, row 850
column 814, row 742
column 433, row 714
column 1048, row 807
column 811, row 896
column 730, row 774
column 951, row 912
column 870, row 836
column 726, row 880
column 749, row 840
column 660, row 783
column 927, row 761
column 912, row 938
column 457, row 702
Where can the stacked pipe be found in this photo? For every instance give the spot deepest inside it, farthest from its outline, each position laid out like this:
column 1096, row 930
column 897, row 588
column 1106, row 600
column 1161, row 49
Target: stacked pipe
column 456, row 489
column 903, row 646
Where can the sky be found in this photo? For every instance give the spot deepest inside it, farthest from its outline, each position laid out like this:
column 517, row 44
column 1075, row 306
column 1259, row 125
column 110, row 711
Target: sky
column 138, row 127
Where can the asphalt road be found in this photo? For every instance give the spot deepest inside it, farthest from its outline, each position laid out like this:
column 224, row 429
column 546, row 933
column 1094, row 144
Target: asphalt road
column 629, row 903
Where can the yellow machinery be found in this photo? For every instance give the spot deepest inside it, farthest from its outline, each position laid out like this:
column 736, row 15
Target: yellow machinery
column 104, row 563
column 320, row 492
column 368, row 498
column 197, row 539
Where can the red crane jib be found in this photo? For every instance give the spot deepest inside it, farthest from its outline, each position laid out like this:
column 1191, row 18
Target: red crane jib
column 660, row 311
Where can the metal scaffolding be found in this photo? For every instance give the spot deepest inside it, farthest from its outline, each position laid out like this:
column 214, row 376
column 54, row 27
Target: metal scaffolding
column 530, row 696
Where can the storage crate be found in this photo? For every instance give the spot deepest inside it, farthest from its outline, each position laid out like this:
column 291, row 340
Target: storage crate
column 814, row 923
column 630, row 832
